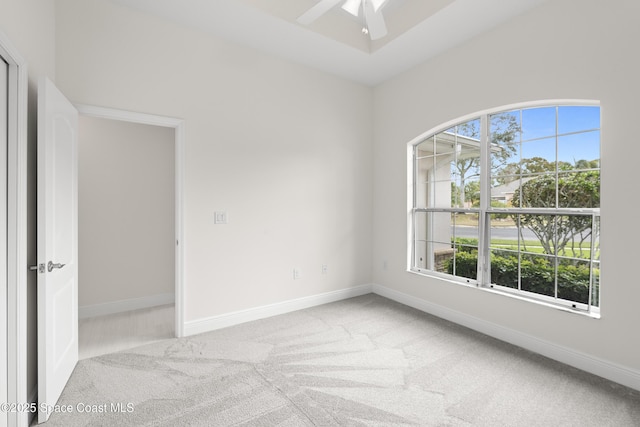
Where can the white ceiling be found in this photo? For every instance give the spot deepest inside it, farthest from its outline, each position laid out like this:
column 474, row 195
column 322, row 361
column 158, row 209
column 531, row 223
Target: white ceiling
column 334, row 43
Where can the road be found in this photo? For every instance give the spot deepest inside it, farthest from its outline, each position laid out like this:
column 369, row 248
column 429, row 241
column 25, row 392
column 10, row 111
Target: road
column 496, row 232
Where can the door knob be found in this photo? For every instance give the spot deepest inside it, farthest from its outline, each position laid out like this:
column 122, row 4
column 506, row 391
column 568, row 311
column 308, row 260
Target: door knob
column 51, row 266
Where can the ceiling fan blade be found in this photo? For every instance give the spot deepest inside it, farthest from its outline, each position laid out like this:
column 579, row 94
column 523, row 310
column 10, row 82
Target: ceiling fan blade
column 375, row 21
column 377, row 4
column 352, row 6
column 317, row 11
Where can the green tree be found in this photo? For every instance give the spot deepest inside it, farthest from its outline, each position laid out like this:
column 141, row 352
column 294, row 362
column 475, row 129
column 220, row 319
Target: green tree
column 455, row 193
column 512, row 171
column 472, row 192
column 574, row 190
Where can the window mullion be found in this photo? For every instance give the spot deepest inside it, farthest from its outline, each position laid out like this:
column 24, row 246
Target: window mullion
column 591, row 258
column 414, row 196
column 484, row 220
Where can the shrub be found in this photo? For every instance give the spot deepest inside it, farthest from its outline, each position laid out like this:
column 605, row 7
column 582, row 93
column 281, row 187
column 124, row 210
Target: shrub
column 466, row 264
column 537, row 274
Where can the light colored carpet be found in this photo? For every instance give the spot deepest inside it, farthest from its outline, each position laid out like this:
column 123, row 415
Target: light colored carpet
column 365, row 361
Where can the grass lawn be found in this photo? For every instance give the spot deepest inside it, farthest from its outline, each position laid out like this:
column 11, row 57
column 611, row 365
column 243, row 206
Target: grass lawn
column 531, row 246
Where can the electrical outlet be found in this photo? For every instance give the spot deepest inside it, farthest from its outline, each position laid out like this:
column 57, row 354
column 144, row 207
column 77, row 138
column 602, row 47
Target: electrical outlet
column 296, row 273
column 325, row 269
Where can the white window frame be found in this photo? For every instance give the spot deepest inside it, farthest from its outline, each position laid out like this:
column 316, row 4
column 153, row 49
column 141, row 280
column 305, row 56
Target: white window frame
column 485, row 210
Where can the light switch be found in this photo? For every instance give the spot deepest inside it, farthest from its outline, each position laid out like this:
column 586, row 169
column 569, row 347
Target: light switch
column 220, row 218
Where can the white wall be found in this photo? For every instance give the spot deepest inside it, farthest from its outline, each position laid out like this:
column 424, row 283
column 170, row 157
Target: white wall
column 284, row 149
column 563, row 49
column 126, row 204
column 30, row 25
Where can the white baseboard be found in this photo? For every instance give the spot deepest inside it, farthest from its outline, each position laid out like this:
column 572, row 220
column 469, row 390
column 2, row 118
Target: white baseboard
column 224, row 320
column 611, row 371
column 121, row 306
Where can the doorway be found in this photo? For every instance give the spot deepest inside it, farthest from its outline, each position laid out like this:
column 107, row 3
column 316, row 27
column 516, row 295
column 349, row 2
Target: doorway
column 126, row 234
column 133, row 213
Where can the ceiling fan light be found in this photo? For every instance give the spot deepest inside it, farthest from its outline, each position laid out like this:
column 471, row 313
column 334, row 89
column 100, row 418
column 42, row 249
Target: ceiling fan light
column 352, row 6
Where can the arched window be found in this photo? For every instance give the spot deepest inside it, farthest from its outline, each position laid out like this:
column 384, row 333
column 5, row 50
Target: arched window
column 510, row 200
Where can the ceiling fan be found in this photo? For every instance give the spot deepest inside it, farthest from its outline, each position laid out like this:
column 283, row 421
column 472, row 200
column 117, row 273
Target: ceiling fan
column 374, row 24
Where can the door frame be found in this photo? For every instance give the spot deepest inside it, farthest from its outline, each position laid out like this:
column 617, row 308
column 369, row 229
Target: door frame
column 179, row 126
column 13, row 346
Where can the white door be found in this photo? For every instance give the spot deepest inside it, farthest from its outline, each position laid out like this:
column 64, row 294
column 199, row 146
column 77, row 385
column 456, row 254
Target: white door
column 57, row 244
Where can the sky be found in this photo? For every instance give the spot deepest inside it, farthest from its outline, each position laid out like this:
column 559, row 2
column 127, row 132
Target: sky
column 537, row 123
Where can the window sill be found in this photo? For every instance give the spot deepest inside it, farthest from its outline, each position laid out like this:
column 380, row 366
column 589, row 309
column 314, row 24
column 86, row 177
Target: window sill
column 595, row 314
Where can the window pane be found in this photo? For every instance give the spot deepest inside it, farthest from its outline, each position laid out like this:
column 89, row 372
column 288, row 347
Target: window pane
column 574, row 236
column 504, row 137
column 465, row 264
column 539, row 156
column 420, row 225
column 439, row 229
column 445, row 195
column 503, row 190
column 432, row 235
column 579, row 190
column 425, row 148
column 423, row 168
column 596, row 238
column 505, row 126
column 445, row 143
column 579, row 151
column 464, row 228
column 595, row 291
column 536, row 192
column 537, row 274
column 462, row 260
column 470, row 129
column 527, row 237
column 442, row 178
column 578, row 118
column 504, row 268
column 538, row 233
column 466, row 170
column 573, row 280
column 503, row 232
column 505, row 159
column 470, row 197
column 538, row 123
column 420, row 254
